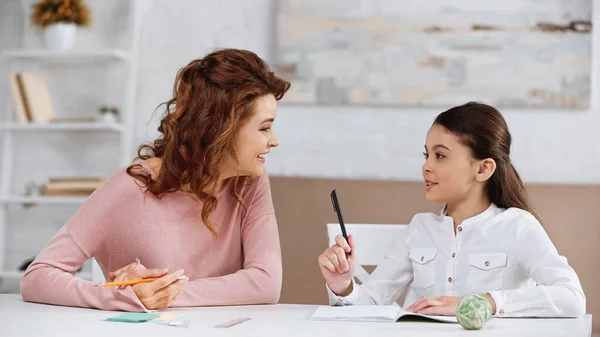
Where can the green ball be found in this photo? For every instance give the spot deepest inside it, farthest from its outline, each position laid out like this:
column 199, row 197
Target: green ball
column 473, row 311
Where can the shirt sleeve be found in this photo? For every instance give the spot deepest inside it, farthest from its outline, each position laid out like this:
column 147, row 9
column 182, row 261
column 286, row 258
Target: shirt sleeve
column 51, row 276
column 558, row 292
column 259, row 281
column 388, row 280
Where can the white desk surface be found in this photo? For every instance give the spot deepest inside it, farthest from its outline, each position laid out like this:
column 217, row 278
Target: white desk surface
column 18, row 318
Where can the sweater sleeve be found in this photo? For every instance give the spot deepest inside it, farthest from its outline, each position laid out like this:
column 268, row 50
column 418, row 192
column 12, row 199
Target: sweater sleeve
column 259, row 281
column 51, row 278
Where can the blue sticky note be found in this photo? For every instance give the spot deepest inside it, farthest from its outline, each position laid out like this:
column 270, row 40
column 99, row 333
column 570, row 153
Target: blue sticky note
column 133, row 317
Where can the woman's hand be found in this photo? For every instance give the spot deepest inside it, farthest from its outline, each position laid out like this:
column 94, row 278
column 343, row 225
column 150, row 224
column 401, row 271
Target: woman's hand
column 134, row 271
column 160, row 294
column 337, row 265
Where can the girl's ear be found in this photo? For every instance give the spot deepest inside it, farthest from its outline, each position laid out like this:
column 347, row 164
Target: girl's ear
column 486, row 168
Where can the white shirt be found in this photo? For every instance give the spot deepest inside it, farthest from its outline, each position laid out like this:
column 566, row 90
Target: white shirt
column 503, row 252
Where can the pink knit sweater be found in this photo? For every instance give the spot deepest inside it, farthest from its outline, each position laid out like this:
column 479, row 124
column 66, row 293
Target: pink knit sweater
column 120, row 222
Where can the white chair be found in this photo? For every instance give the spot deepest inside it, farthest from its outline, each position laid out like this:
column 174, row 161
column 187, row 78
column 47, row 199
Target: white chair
column 371, row 240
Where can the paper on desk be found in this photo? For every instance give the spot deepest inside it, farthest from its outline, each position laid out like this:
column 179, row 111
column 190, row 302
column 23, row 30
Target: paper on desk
column 377, row 313
column 172, row 320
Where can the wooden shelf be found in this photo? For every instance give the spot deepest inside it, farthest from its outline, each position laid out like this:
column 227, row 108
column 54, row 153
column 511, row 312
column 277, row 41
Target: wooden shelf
column 99, row 126
column 43, row 55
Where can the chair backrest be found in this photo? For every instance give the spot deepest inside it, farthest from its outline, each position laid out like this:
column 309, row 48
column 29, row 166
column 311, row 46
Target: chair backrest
column 371, row 240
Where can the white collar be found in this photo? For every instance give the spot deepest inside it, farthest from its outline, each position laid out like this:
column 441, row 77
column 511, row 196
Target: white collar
column 488, row 213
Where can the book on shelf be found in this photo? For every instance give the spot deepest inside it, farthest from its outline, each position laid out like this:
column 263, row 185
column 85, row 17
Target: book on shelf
column 72, row 186
column 31, row 97
column 21, row 113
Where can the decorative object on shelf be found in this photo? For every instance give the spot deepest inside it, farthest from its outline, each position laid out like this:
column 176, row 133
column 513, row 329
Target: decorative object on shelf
column 60, row 19
column 32, row 189
column 108, row 114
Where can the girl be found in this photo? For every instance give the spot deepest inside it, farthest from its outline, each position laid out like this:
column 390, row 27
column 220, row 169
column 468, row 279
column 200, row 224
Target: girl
column 487, row 240
column 196, row 202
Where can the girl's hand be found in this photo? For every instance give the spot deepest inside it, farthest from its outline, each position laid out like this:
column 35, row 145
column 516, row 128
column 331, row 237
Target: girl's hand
column 442, row 306
column 438, row 306
column 337, row 265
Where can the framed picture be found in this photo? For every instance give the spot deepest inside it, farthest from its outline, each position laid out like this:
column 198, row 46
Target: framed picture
column 510, row 53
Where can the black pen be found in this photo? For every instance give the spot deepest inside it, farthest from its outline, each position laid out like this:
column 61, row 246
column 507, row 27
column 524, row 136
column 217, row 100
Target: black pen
column 336, row 208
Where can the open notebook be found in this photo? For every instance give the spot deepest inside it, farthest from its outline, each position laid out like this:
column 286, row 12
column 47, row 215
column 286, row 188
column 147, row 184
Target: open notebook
column 372, row 313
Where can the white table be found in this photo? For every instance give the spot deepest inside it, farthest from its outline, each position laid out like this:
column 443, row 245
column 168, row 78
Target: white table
column 18, row 318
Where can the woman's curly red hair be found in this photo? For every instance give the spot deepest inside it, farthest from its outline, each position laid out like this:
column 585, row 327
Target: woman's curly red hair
column 212, row 98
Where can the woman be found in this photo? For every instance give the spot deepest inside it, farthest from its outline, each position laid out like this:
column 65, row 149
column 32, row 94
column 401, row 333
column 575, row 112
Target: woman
column 487, row 240
column 197, row 202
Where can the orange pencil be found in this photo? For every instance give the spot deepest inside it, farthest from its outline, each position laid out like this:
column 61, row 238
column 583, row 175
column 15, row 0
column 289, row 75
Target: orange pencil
column 132, row 282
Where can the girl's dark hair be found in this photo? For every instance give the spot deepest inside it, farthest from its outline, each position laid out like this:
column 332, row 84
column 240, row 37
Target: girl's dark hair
column 483, row 130
column 212, row 98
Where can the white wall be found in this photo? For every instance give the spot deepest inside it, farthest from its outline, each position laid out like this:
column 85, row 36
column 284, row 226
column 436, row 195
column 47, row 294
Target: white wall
column 351, row 142
column 346, row 142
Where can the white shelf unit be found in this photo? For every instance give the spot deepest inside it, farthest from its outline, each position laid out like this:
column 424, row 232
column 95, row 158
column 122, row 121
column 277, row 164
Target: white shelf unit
column 13, row 60
column 43, row 200
column 18, row 274
column 67, row 56
column 83, row 127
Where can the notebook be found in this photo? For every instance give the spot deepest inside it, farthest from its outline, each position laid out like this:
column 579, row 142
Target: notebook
column 372, row 313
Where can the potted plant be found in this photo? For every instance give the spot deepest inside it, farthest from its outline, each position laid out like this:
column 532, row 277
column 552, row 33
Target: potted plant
column 60, row 19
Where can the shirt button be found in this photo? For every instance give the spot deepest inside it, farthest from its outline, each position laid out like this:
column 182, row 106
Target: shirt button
column 501, row 311
column 422, row 258
column 450, row 279
column 459, row 229
column 453, row 254
column 487, row 263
